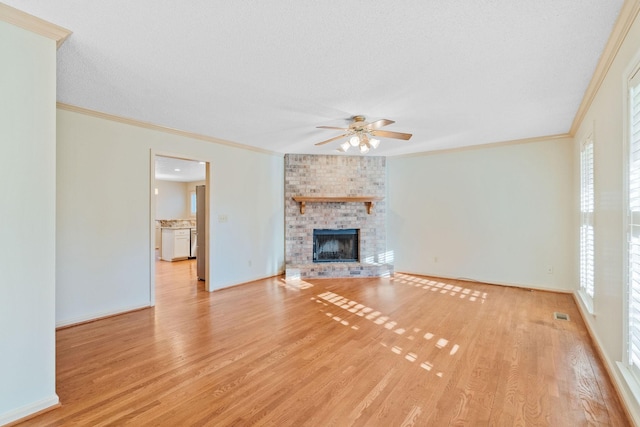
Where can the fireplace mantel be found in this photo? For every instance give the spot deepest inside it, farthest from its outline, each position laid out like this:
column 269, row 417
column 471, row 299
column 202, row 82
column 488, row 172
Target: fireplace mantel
column 367, row 200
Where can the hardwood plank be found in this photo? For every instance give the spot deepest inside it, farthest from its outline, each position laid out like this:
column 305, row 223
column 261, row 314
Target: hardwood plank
column 406, row 350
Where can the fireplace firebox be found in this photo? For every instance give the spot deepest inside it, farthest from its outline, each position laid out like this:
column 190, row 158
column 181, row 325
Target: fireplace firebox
column 336, row 245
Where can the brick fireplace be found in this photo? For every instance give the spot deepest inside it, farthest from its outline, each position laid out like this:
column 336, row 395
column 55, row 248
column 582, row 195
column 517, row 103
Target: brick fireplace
column 344, row 178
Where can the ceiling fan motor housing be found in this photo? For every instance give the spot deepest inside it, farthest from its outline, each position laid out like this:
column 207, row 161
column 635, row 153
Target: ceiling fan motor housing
column 358, row 123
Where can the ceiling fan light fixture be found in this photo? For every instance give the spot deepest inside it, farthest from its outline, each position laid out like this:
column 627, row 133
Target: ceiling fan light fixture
column 360, row 134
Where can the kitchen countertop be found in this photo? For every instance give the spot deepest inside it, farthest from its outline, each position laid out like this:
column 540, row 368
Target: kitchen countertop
column 178, row 228
column 176, row 223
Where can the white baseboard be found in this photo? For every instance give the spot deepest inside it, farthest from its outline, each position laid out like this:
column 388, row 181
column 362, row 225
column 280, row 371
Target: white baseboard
column 98, row 316
column 492, row 282
column 231, row 285
column 28, row 410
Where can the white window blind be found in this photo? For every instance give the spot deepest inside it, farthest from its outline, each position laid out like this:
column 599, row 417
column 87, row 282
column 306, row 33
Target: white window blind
column 634, row 225
column 586, row 217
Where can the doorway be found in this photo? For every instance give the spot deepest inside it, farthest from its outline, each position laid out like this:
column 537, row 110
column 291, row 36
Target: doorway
column 176, row 230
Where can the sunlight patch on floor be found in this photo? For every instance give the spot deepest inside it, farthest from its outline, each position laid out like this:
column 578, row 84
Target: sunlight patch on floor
column 377, row 318
column 439, row 287
column 294, row 284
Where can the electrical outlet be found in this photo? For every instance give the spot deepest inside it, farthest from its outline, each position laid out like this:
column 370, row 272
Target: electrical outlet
column 222, row 218
column 550, row 269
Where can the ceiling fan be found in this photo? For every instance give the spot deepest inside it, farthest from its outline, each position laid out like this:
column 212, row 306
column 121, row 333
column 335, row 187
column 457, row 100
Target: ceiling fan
column 362, row 134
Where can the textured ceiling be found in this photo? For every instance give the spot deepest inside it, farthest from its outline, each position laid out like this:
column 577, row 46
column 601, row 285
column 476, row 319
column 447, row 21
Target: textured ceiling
column 172, row 169
column 265, row 74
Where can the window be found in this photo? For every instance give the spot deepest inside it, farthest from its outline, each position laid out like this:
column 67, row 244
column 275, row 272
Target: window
column 586, row 221
column 192, row 203
column 633, row 232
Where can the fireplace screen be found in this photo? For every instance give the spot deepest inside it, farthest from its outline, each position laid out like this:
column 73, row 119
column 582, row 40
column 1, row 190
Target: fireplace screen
column 335, row 245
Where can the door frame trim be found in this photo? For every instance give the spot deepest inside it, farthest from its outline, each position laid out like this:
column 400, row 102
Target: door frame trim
column 152, row 218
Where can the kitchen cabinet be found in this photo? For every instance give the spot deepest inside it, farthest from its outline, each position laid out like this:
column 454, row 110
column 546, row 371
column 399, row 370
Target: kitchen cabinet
column 176, row 244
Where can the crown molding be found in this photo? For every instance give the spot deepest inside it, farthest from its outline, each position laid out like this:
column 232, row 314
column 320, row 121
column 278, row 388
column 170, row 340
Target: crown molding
column 146, row 125
column 488, row 145
column 628, row 14
column 34, row 24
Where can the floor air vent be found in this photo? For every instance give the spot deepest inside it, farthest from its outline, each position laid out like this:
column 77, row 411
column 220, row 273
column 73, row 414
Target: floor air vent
column 560, row 316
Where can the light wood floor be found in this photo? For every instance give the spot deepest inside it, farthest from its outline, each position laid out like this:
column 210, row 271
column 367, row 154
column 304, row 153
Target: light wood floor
column 403, row 351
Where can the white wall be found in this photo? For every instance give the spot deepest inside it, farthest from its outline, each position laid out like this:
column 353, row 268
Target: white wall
column 501, row 215
column 172, row 201
column 27, row 222
column 606, row 118
column 103, row 236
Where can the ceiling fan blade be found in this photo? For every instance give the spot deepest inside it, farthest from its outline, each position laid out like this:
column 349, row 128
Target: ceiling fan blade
column 389, row 134
column 379, row 123
column 332, row 139
column 330, row 127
